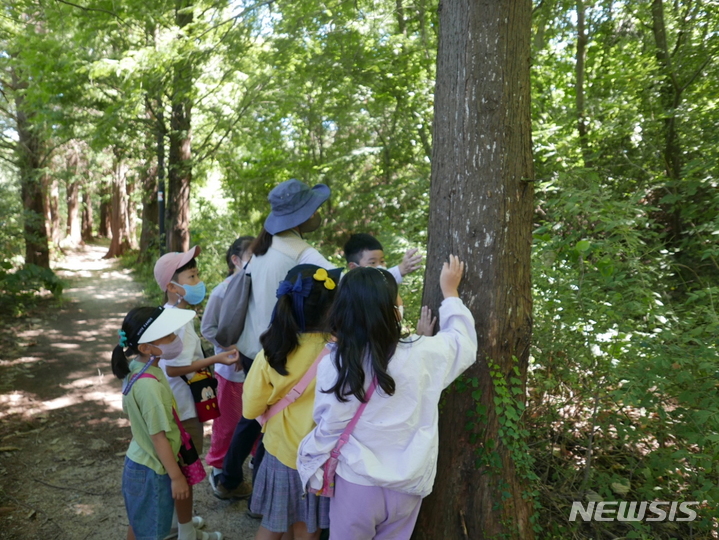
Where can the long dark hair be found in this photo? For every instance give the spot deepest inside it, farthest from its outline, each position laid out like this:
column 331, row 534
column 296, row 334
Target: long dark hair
column 262, row 243
column 283, row 335
column 132, row 323
column 364, row 322
column 238, row 247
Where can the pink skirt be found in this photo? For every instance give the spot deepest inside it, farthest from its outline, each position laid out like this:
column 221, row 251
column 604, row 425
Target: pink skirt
column 229, row 398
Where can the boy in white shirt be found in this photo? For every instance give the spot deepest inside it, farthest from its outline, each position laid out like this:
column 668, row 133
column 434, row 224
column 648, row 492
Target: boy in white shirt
column 363, row 249
column 177, row 275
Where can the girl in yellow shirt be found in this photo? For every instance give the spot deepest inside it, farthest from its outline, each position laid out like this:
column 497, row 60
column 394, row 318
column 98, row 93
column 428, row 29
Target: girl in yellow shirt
column 290, row 346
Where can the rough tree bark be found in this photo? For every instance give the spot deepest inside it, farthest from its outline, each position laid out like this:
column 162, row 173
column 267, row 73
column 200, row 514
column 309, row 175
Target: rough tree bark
column 481, row 209
column 180, row 155
column 28, row 153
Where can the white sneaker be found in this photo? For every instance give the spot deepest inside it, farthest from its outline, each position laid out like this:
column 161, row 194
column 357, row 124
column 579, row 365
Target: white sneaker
column 197, row 523
column 201, row 535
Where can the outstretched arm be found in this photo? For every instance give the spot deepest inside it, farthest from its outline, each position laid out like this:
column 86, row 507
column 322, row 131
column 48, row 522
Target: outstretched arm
column 410, row 262
column 227, row 357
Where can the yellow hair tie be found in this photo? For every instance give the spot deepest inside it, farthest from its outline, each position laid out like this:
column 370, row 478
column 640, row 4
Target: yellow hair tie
column 322, row 275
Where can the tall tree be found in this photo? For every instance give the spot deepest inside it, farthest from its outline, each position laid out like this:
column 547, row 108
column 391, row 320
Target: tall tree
column 76, row 168
column 29, row 160
column 481, row 204
column 119, row 208
column 180, row 164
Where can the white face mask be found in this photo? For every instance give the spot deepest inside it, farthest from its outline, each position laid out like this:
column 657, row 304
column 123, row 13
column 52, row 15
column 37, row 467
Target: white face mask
column 171, row 350
column 381, row 267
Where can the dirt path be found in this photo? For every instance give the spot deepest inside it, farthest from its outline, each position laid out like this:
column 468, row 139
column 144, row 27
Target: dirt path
column 62, row 432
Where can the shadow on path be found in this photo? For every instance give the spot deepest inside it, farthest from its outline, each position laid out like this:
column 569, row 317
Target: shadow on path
column 62, row 432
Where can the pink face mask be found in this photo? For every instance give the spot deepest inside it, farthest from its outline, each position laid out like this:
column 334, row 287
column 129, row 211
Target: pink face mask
column 171, row 350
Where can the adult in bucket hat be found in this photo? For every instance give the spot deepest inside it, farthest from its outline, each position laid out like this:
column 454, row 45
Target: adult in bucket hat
column 279, row 247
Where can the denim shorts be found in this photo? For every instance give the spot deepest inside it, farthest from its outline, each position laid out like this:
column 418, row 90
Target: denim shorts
column 148, row 501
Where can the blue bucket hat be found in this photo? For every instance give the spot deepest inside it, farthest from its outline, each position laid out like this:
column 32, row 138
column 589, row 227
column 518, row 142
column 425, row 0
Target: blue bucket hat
column 293, row 203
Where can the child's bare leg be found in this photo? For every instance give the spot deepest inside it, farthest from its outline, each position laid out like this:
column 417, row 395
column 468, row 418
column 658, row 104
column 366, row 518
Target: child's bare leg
column 183, row 507
column 264, row 534
column 300, row 531
column 130, row 533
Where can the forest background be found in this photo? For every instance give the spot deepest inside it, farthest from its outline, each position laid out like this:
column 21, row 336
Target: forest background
column 103, row 102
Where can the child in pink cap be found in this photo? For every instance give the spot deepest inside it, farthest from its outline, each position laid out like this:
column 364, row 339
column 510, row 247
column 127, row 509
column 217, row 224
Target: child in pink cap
column 178, row 276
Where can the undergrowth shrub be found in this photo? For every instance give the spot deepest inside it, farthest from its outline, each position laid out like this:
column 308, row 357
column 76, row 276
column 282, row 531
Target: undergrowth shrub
column 622, row 401
column 19, row 288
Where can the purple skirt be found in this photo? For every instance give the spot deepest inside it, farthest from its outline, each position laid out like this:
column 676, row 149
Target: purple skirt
column 277, row 495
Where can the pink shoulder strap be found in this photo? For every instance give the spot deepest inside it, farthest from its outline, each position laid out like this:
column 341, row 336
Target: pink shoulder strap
column 296, row 391
column 351, row 426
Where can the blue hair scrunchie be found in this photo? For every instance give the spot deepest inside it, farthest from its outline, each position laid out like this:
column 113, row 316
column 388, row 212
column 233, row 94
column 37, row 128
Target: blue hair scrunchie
column 300, row 290
column 123, row 338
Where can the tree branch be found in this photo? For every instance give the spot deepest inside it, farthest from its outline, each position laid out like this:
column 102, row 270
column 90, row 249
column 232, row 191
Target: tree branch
column 234, row 18
column 99, row 10
column 696, row 74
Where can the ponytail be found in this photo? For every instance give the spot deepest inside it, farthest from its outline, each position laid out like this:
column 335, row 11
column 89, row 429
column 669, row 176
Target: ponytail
column 282, row 337
column 262, row 243
column 131, row 325
column 304, row 298
column 120, row 366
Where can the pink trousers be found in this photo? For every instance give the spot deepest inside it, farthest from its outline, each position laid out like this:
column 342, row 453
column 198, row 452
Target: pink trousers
column 229, row 399
column 368, row 512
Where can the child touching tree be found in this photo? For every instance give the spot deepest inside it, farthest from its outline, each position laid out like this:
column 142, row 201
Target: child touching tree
column 363, row 250
column 389, row 462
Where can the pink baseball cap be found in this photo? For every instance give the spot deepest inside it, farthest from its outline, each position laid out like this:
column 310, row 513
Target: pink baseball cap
column 167, row 265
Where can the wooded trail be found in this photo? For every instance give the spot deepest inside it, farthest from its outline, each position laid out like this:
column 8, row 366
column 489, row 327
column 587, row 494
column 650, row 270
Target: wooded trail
column 63, row 435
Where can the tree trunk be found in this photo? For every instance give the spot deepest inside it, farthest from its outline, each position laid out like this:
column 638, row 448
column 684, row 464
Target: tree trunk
column 149, row 237
column 579, row 83
column 180, row 164
column 74, row 225
column 28, row 151
column 481, row 209
column 130, row 213
column 105, row 228
column 51, row 191
column 671, row 92
column 73, row 228
column 120, row 242
column 87, row 215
